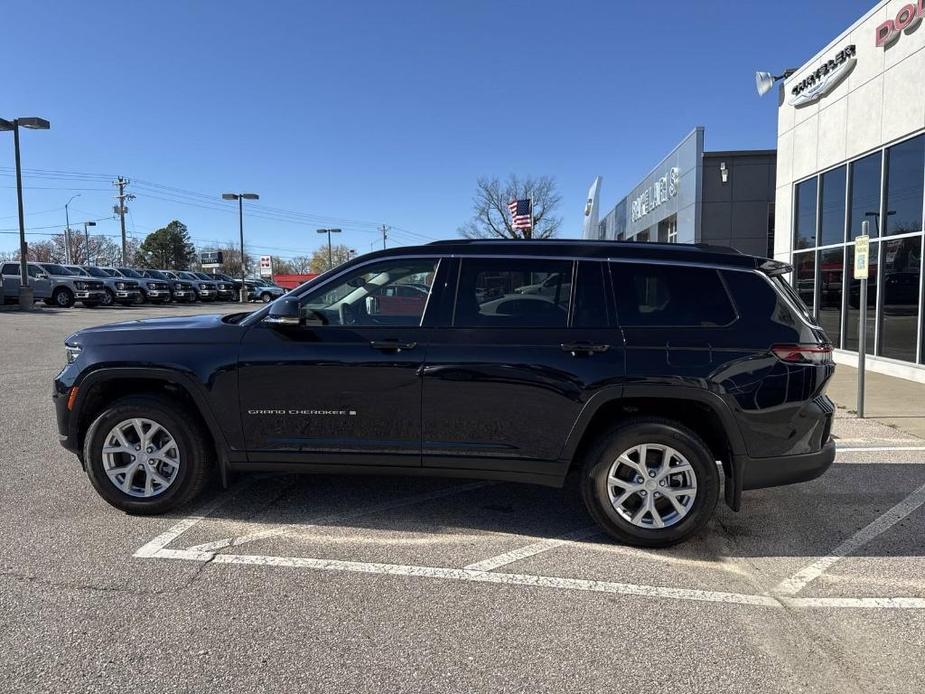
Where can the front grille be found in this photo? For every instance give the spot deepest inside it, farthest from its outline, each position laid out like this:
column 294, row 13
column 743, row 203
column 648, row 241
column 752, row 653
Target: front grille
column 184, row 285
column 94, row 285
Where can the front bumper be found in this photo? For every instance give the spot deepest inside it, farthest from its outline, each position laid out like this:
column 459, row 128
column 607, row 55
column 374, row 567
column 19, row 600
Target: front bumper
column 183, row 295
column 66, row 437
column 206, row 294
column 90, row 295
column 157, row 294
column 127, row 294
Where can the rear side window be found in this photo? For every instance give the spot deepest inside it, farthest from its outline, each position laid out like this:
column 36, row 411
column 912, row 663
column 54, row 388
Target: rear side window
column 670, row 296
column 513, row 293
column 10, row 269
column 590, row 299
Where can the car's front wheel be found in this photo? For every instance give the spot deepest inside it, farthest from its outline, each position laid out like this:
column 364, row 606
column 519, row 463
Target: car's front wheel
column 109, row 298
column 63, row 297
column 650, row 482
column 266, row 297
column 146, row 455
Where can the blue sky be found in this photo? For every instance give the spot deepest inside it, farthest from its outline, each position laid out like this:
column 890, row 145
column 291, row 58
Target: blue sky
column 358, row 113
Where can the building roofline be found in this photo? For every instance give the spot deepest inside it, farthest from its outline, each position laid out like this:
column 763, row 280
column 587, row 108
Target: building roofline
column 740, row 153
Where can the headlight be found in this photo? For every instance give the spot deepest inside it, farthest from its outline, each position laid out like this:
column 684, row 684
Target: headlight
column 71, row 351
column 203, row 285
column 80, row 285
column 120, row 285
column 151, row 285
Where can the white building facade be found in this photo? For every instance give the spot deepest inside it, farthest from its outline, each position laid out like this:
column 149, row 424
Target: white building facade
column 850, row 149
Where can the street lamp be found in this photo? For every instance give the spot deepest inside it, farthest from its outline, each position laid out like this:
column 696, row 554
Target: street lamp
column 26, row 295
column 67, row 230
column 330, row 252
column 765, row 80
column 87, row 238
column 240, row 197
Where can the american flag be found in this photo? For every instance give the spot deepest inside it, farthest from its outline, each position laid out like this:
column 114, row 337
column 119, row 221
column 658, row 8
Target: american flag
column 521, row 213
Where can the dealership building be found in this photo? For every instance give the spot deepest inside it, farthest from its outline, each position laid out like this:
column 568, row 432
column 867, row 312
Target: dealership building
column 693, row 196
column 850, row 150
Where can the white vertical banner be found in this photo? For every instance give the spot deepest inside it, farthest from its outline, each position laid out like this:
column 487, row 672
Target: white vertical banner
column 266, row 266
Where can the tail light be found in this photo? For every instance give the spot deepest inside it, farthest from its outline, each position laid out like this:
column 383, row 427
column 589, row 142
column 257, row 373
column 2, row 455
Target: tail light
column 803, row 354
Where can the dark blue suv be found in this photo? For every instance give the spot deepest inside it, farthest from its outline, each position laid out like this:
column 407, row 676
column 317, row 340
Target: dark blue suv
column 657, row 375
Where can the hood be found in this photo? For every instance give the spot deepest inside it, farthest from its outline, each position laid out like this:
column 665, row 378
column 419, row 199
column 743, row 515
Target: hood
column 175, row 330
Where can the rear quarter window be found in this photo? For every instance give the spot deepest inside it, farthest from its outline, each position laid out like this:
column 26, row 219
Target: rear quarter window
column 670, row 296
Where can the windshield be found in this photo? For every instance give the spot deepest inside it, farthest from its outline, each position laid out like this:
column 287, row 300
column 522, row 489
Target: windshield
column 76, row 270
column 202, row 276
column 53, row 269
column 129, row 272
column 187, row 276
column 95, row 271
column 109, row 272
column 156, row 274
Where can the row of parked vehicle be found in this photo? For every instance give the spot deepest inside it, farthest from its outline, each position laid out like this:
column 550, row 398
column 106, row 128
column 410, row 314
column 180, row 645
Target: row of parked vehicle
column 64, row 285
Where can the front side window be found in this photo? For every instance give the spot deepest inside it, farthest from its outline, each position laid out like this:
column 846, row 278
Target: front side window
column 10, row 269
column 670, row 296
column 513, row 293
column 390, row 293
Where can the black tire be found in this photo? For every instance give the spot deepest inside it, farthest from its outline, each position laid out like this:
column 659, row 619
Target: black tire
column 195, row 458
column 142, row 298
column 600, row 457
column 266, row 297
column 63, row 297
column 109, row 298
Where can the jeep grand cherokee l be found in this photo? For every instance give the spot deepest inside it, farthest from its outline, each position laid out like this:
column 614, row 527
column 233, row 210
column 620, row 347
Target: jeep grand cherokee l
column 637, row 370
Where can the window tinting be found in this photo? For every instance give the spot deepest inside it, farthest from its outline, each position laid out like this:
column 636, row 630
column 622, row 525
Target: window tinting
column 865, row 195
column 590, row 300
column 513, row 292
column 901, row 281
column 391, row 293
column 10, row 269
column 832, row 207
column 831, row 279
column 905, row 171
column 664, row 295
column 804, row 227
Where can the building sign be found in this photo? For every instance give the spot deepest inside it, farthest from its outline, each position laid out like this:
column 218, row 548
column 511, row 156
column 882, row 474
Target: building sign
column 266, row 266
column 211, row 259
column 656, row 194
column 861, row 257
column 907, row 19
column 825, row 78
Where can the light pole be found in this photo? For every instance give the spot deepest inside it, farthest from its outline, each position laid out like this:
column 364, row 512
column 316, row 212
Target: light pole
column 87, row 238
column 67, row 230
column 330, row 252
column 26, row 295
column 240, row 197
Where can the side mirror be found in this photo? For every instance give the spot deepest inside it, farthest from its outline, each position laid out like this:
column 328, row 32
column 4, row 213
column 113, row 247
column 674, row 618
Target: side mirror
column 284, row 313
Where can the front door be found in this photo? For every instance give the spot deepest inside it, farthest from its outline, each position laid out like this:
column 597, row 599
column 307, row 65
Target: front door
column 345, row 386
column 527, row 342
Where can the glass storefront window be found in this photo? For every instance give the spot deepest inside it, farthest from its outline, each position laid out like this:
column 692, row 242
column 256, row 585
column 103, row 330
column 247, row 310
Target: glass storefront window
column 804, row 277
column 853, row 312
column 831, row 279
column 865, row 195
column 832, row 207
column 804, row 227
column 905, row 172
column 899, row 312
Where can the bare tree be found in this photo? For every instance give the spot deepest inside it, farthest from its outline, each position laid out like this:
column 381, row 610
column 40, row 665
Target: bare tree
column 301, row 264
column 492, row 218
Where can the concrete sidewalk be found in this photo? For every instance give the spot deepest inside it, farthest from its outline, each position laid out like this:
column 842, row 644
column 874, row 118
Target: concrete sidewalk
column 895, row 402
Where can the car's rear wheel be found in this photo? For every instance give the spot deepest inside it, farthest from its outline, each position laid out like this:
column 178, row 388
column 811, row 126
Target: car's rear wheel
column 63, row 297
column 650, row 482
column 266, row 297
column 109, row 298
column 146, row 455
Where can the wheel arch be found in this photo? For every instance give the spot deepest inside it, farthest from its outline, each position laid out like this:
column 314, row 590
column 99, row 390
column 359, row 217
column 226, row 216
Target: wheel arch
column 702, row 411
column 102, row 386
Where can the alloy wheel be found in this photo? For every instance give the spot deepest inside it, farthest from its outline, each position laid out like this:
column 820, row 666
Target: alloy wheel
column 141, row 458
column 652, row 486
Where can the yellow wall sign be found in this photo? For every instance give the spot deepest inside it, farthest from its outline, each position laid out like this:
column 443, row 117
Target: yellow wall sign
column 861, row 257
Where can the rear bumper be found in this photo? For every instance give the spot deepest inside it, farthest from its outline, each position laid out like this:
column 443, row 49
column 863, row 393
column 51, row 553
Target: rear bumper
column 758, row 473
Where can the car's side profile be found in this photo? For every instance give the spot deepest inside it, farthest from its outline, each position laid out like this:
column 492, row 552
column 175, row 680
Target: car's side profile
column 636, row 370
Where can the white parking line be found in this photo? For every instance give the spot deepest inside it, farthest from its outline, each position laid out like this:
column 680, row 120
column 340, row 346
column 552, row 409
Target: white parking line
column 856, row 449
column 216, row 545
column 165, row 538
column 532, row 549
column 551, row 582
column 796, row 583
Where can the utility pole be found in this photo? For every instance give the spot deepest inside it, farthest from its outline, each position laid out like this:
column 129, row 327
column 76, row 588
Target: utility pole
column 385, row 229
column 121, row 209
column 330, row 250
column 67, row 230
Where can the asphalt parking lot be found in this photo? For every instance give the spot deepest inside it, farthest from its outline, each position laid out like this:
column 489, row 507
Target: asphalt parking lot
column 324, row 583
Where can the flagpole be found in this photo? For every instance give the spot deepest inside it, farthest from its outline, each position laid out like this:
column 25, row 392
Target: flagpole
column 532, row 227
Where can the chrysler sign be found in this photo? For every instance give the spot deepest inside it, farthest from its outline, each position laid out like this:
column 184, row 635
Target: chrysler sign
column 656, row 195
column 825, row 78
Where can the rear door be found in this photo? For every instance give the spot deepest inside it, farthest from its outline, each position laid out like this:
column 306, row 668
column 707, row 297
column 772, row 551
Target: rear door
column 509, row 370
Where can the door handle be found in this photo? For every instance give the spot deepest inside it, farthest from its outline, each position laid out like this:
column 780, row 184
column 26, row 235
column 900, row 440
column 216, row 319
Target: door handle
column 392, row 345
column 577, row 348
